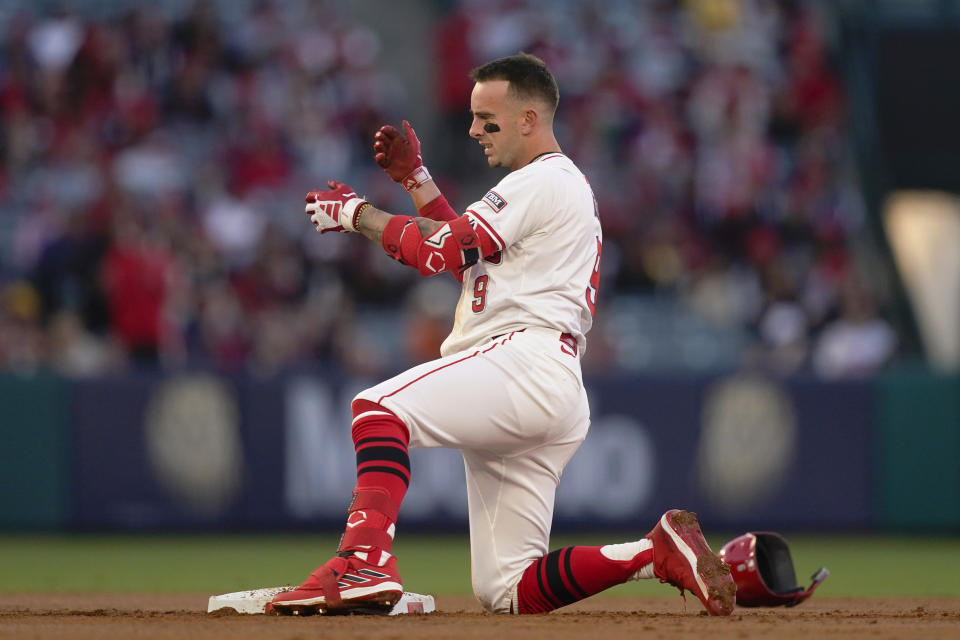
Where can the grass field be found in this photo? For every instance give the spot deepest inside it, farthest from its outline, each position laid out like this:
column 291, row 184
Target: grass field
column 859, row 566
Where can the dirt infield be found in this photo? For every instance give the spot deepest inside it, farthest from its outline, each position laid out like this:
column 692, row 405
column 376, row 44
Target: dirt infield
column 99, row 616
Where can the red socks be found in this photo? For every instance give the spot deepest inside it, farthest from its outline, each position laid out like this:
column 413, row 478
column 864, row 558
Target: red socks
column 380, row 440
column 573, row 573
column 383, row 475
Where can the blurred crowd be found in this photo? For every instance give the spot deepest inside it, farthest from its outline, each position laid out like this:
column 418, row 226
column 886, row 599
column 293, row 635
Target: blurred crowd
column 153, row 164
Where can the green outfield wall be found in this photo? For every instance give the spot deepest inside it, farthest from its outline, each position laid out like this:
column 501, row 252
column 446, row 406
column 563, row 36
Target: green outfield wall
column 35, row 460
column 918, row 450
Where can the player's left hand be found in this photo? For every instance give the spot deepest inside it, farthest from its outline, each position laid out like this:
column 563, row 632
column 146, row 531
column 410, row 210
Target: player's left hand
column 333, row 210
column 400, row 156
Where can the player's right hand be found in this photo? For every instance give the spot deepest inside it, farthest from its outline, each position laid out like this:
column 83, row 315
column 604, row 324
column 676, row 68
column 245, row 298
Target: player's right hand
column 333, row 210
column 400, row 156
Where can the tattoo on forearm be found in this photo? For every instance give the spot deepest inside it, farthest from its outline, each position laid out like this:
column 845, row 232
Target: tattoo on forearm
column 427, row 226
column 373, row 221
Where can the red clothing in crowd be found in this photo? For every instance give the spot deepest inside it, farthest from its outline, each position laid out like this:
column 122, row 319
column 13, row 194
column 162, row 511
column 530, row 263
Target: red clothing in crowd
column 137, row 284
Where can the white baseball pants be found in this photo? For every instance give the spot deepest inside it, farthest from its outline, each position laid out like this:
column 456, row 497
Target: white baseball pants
column 517, row 410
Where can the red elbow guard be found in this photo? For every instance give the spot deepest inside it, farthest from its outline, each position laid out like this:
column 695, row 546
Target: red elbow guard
column 453, row 247
column 400, row 239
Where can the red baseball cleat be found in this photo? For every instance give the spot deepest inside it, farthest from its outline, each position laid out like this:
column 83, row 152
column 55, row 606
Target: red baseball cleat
column 343, row 585
column 682, row 557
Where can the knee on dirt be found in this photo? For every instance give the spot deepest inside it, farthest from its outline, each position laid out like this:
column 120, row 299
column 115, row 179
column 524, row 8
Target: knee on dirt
column 494, row 599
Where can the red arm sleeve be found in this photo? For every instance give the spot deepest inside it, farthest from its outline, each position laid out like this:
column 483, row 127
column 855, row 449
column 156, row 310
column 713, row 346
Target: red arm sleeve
column 438, row 209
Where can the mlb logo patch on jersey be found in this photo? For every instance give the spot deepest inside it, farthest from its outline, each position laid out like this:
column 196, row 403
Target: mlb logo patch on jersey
column 495, row 200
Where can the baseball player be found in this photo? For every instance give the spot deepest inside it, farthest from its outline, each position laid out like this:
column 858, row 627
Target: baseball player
column 507, row 391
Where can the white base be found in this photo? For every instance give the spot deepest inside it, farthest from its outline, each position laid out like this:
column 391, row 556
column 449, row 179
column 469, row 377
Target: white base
column 256, row 600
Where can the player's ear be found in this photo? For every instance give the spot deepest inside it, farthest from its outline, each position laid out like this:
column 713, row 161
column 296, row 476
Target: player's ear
column 528, row 120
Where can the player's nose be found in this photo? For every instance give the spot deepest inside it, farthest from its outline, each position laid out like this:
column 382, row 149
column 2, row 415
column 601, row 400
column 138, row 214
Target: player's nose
column 476, row 131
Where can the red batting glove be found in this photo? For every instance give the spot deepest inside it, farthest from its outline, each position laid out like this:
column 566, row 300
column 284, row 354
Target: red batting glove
column 334, row 210
column 400, row 157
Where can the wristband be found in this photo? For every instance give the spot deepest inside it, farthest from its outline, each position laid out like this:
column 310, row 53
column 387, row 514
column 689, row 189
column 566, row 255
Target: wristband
column 416, row 179
column 355, row 221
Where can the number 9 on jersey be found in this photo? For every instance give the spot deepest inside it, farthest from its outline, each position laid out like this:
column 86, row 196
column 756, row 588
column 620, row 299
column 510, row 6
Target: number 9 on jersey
column 479, row 294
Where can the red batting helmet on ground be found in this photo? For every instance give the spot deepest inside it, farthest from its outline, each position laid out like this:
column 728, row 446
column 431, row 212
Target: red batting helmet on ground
column 763, row 570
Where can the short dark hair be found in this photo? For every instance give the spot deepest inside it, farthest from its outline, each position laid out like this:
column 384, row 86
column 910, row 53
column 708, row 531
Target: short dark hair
column 527, row 74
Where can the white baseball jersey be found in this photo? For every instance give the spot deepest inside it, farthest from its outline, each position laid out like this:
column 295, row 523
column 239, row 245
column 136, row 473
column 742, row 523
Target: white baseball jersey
column 544, row 221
